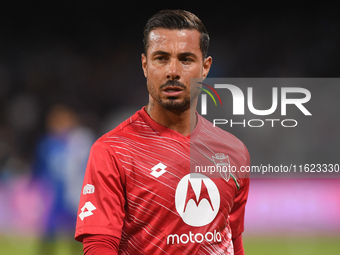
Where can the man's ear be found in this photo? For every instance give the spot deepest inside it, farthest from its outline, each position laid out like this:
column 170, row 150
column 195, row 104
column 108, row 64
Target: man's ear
column 144, row 64
column 206, row 66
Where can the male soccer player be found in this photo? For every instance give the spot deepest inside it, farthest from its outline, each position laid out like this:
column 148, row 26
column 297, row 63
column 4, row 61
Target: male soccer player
column 140, row 192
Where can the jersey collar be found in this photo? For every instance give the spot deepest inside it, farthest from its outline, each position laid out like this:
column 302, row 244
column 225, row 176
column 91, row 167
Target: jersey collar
column 164, row 131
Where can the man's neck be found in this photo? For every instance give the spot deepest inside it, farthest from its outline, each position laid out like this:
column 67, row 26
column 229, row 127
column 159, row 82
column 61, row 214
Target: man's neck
column 183, row 122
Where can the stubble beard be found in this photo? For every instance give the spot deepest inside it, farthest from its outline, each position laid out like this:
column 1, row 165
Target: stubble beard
column 172, row 104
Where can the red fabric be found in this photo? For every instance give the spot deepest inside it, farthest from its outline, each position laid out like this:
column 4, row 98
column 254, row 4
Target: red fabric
column 238, row 245
column 238, row 211
column 137, row 182
column 108, row 245
column 100, row 245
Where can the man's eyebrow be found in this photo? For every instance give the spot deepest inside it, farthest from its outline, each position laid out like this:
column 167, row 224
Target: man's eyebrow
column 187, row 54
column 160, row 52
column 182, row 54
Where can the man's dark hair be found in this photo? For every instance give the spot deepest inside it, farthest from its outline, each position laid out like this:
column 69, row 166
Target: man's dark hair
column 177, row 19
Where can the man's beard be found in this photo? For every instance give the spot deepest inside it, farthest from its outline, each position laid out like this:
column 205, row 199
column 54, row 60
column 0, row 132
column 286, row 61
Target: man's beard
column 171, row 103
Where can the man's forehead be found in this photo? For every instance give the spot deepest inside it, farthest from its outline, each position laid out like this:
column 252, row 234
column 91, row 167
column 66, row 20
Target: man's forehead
column 187, row 39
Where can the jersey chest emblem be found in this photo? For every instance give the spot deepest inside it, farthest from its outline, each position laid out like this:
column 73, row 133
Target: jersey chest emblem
column 197, row 199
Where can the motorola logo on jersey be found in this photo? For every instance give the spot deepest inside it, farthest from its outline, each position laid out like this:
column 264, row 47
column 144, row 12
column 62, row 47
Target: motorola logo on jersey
column 197, row 199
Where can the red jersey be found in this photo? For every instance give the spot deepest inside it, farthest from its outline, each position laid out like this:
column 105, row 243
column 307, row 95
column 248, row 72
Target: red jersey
column 142, row 185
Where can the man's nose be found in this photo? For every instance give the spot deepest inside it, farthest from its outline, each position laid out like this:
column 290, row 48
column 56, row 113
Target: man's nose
column 173, row 72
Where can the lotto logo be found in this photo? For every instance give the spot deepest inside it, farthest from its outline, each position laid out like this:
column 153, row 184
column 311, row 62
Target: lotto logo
column 155, row 170
column 86, row 210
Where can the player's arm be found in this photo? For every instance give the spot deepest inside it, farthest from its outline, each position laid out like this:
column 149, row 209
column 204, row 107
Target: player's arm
column 101, row 208
column 100, row 245
column 237, row 217
column 238, row 245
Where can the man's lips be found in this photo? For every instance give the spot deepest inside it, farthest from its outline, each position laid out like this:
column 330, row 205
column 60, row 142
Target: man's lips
column 172, row 91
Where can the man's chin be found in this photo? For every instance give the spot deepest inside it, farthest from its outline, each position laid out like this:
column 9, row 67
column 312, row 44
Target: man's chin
column 175, row 105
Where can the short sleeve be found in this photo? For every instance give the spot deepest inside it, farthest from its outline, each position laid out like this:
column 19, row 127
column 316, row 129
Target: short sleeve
column 102, row 200
column 238, row 210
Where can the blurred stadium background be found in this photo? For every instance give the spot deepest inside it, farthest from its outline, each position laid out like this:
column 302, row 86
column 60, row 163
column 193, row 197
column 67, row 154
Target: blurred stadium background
column 70, row 71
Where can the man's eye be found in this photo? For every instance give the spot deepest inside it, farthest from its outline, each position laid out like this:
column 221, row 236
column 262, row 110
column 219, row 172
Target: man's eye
column 161, row 58
column 187, row 60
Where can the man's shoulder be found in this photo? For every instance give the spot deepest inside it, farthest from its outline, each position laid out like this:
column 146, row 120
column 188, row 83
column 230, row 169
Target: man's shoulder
column 218, row 136
column 129, row 129
column 209, row 129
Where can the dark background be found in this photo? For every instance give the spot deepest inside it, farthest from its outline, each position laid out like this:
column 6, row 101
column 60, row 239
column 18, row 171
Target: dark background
column 87, row 55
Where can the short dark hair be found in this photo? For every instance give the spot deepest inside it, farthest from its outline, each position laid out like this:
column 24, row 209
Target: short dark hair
column 177, row 19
